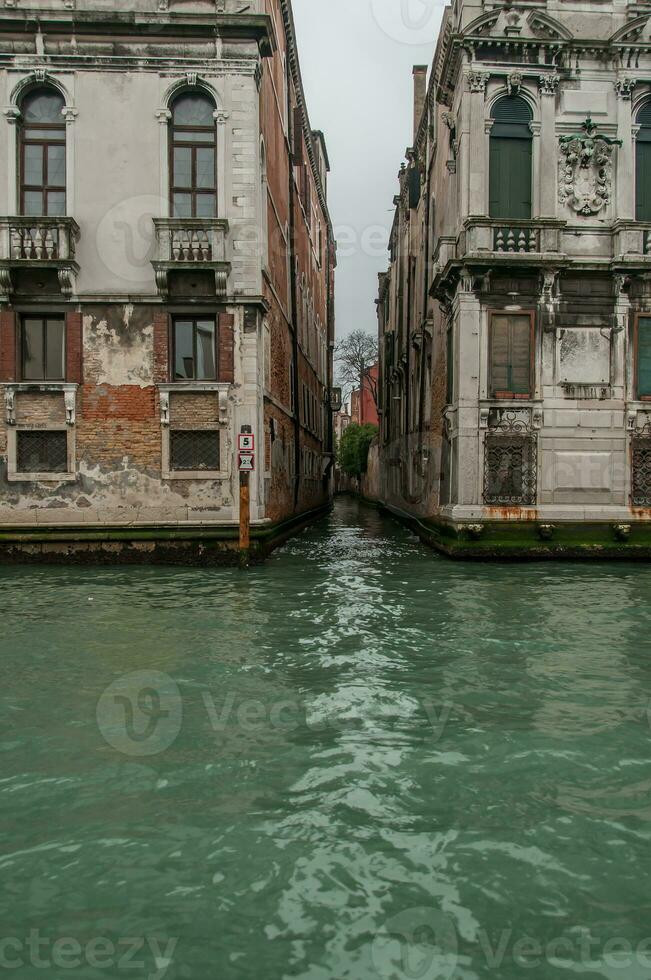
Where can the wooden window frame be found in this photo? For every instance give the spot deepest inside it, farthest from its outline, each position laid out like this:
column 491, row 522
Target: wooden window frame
column 193, row 318
column 174, row 143
column 636, row 355
column 43, row 317
column 24, row 140
column 510, row 395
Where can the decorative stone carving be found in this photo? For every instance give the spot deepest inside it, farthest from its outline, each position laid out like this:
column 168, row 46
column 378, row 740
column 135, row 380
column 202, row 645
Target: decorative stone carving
column 477, row 81
column 164, row 408
column 514, row 82
column 585, row 170
column 624, row 87
column 548, row 84
column 70, row 401
column 221, row 116
column 10, row 405
column 475, row 531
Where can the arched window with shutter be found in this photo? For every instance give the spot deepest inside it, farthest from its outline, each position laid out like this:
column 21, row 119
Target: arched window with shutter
column 510, row 159
column 193, row 166
column 42, row 153
column 643, row 165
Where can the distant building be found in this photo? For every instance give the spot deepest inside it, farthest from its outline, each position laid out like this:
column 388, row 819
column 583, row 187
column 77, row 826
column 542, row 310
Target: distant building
column 341, row 421
column 363, row 408
column 515, row 317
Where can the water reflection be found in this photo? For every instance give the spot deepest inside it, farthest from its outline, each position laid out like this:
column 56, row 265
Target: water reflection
column 371, row 735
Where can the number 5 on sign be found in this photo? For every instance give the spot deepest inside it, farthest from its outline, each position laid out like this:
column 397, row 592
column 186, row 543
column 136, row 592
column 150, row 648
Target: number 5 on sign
column 247, row 462
column 245, row 443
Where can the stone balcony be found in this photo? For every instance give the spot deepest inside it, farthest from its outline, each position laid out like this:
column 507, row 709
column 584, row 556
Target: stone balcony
column 632, row 243
column 191, row 245
column 537, row 239
column 38, row 244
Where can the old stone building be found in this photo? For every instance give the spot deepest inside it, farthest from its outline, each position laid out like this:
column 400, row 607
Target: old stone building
column 166, row 277
column 515, row 318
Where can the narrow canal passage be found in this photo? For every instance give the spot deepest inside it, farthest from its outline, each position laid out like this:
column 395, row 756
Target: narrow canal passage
column 359, row 760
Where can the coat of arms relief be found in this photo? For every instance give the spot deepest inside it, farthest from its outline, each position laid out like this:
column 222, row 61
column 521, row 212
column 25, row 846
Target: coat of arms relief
column 586, row 169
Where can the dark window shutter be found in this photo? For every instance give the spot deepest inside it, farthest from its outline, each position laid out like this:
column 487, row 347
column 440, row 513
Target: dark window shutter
column 7, row 346
column 643, row 177
column 510, row 160
column 644, row 357
column 499, row 355
column 226, row 347
column 450, row 366
column 510, row 355
column 74, row 345
column 510, row 178
column 297, row 137
column 520, row 342
column 414, row 187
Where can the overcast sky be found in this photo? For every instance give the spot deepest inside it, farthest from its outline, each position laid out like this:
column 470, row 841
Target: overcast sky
column 356, row 61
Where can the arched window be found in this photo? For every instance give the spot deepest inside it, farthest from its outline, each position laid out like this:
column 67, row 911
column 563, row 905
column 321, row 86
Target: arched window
column 643, row 165
column 510, row 159
column 193, row 165
column 42, row 154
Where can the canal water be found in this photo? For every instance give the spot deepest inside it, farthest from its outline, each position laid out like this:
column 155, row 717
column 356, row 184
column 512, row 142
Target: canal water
column 358, row 761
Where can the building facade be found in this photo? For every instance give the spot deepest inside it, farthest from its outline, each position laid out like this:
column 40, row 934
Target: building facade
column 363, row 407
column 166, row 278
column 515, row 316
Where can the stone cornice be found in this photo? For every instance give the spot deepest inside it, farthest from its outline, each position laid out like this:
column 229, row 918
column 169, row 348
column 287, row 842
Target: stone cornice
column 292, row 52
column 120, row 23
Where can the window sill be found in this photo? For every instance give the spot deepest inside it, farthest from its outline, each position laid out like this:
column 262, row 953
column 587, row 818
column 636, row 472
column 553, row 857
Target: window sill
column 41, row 477
column 213, row 475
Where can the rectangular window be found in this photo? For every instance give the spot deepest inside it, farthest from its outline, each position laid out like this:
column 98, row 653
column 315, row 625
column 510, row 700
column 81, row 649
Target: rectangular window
column 510, row 470
column 193, row 451
column 41, row 452
column 643, row 351
column 510, row 355
column 195, row 349
column 43, row 348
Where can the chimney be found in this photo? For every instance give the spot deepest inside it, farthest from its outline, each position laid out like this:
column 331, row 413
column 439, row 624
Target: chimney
column 420, row 92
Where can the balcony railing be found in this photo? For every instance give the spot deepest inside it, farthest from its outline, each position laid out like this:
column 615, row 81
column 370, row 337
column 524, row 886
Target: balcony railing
column 30, row 242
column 516, row 239
column 482, row 236
column 189, row 244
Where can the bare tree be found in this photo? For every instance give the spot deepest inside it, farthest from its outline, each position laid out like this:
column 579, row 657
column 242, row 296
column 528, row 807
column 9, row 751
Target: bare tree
column 354, row 355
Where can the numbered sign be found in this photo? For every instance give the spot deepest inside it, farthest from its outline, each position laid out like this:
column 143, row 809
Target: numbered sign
column 247, row 462
column 245, row 443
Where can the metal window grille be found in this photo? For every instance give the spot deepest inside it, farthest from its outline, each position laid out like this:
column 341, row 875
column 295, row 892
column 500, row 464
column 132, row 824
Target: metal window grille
column 42, row 452
column 194, row 450
column 641, row 472
column 510, row 470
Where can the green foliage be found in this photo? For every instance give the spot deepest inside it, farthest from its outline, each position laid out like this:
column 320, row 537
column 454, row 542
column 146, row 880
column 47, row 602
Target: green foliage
column 354, row 446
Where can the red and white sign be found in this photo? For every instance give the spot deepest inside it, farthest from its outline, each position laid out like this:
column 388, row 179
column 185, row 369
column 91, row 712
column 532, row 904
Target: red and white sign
column 245, row 443
column 247, row 462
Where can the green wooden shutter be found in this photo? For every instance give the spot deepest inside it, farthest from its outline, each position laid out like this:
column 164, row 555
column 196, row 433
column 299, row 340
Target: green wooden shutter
column 499, row 355
column 510, row 160
column 450, row 366
column 520, row 354
column 642, row 179
column 644, row 357
column 510, row 178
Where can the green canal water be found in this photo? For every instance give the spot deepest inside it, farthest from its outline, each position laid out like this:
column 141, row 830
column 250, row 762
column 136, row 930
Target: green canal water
column 358, row 761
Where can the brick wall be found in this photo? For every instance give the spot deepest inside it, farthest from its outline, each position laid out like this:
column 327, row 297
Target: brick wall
column 7, row 346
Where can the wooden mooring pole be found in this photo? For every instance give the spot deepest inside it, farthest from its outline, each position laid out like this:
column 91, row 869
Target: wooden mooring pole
column 245, row 520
